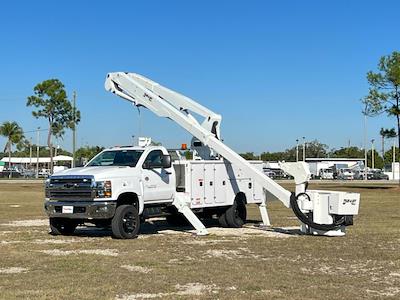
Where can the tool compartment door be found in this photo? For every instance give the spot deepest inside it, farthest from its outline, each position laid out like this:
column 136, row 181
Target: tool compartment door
column 221, row 183
column 209, row 195
column 197, row 183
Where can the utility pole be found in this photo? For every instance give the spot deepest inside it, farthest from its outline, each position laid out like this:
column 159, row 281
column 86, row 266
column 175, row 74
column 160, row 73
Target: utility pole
column 304, row 148
column 373, row 154
column 297, row 150
column 30, row 153
column 365, row 147
column 37, row 151
column 74, row 131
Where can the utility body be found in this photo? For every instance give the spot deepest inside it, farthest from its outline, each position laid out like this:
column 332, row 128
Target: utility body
column 122, row 186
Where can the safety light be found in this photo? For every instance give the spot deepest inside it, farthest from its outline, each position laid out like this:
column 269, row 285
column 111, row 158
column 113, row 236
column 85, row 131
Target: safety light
column 184, row 147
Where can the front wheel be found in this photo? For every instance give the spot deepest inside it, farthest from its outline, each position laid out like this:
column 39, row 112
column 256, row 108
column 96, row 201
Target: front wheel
column 126, row 222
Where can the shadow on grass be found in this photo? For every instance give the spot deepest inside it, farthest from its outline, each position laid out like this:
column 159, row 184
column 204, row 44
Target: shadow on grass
column 366, row 187
column 159, row 226
column 290, row 231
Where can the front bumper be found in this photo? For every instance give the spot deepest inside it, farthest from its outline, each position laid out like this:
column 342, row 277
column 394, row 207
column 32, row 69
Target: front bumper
column 81, row 210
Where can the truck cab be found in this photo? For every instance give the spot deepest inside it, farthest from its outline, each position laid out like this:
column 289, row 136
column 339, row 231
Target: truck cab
column 116, row 177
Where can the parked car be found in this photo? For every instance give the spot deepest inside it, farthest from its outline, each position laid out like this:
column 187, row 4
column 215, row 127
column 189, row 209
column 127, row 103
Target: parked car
column 326, row 173
column 345, row 174
column 378, row 175
column 371, row 175
column 6, row 173
column 269, row 173
column 28, row 173
column 360, row 174
column 44, row 173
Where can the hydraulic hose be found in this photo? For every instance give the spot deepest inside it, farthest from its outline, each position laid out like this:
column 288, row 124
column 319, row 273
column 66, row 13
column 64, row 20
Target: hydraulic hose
column 307, row 220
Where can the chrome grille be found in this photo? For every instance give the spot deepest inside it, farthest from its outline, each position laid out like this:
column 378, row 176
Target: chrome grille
column 71, row 188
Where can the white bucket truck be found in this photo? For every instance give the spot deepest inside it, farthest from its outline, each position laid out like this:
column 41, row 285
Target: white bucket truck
column 122, row 186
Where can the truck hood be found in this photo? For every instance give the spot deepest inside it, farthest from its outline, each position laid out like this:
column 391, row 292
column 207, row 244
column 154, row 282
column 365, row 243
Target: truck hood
column 97, row 172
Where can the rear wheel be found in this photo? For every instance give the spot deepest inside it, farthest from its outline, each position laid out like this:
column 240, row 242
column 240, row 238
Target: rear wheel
column 236, row 214
column 126, row 222
column 59, row 226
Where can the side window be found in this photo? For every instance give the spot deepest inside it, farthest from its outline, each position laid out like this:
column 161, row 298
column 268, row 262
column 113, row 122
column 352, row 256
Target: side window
column 155, row 157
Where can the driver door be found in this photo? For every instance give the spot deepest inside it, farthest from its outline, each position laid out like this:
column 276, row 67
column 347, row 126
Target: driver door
column 158, row 183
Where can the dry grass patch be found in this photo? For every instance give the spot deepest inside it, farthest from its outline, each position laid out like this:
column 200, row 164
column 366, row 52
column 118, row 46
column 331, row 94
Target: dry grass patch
column 189, row 289
column 13, row 270
column 27, row 223
column 137, row 269
column 104, row 252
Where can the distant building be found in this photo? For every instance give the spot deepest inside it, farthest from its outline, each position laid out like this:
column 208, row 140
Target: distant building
column 316, row 164
column 28, row 162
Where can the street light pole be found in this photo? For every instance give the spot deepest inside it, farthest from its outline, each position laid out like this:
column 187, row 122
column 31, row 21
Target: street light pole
column 30, row 153
column 372, row 153
column 74, row 131
column 304, row 148
column 365, row 147
column 37, row 151
column 297, row 150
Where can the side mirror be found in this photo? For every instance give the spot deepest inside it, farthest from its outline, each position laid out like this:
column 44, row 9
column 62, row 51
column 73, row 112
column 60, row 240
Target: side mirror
column 166, row 161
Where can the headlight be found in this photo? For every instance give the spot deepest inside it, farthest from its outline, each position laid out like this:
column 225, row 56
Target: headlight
column 103, row 189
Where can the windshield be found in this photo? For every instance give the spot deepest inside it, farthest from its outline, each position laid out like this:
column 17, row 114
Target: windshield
column 116, row 158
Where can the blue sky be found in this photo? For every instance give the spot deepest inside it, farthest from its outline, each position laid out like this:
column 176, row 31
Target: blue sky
column 274, row 70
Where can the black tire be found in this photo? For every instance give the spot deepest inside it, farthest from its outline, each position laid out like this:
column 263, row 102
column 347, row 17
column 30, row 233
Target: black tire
column 236, row 214
column 222, row 220
column 126, row 222
column 59, row 226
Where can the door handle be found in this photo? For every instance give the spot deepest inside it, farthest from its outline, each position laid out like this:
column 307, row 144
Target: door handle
column 168, row 173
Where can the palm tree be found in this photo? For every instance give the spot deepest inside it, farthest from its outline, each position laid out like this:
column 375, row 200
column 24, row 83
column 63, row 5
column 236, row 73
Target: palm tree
column 14, row 134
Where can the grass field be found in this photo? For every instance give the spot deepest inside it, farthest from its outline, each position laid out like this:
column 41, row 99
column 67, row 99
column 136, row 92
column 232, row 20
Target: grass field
column 228, row 264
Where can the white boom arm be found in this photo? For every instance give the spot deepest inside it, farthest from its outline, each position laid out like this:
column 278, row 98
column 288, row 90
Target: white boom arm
column 167, row 103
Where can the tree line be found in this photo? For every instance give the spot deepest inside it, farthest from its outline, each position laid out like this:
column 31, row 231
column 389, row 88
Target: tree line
column 315, row 149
